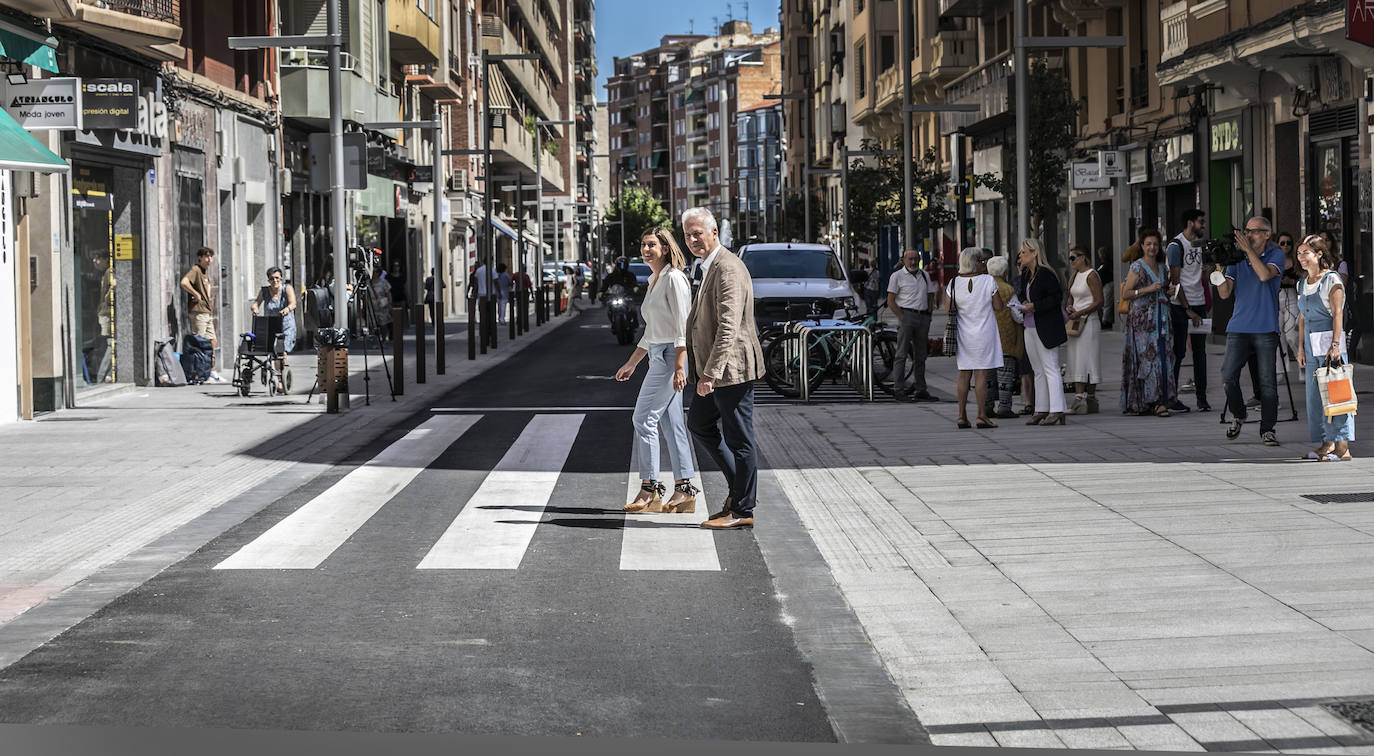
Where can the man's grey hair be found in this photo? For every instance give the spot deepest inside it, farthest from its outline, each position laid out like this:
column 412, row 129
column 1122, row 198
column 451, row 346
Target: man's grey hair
column 1267, row 225
column 997, row 266
column 702, row 214
column 969, row 259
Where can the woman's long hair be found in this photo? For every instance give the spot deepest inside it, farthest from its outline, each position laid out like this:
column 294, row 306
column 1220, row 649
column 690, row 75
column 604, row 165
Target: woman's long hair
column 666, row 241
column 1326, row 258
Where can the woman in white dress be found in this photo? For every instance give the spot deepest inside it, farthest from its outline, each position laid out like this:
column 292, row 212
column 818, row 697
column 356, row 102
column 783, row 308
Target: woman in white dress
column 1085, row 307
column 973, row 296
column 664, row 311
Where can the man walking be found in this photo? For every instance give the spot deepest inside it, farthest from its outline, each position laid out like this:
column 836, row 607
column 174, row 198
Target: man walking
column 1188, row 305
column 1254, row 325
column 725, row 359
column 911, row 297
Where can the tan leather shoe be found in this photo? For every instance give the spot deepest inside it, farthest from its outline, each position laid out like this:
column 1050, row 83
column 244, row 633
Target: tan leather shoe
column 730, row 521
column 724, row 511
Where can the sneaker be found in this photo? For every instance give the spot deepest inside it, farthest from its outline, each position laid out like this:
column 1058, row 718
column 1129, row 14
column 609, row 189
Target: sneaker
column 1269, row 438
column 1203, row 406
column 1233, row 432
column 924, row 396
column 1188, row 387
column 215, row 378
column 1177, row 406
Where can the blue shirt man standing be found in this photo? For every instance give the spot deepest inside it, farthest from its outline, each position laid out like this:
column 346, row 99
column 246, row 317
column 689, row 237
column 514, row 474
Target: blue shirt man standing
column 1254, row 326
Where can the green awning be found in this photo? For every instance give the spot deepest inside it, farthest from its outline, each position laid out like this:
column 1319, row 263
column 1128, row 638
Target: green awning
column 19, row 151
column 23, row 48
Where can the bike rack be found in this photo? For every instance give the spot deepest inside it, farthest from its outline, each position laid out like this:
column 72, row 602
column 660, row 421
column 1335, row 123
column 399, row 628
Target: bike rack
column 859, row 365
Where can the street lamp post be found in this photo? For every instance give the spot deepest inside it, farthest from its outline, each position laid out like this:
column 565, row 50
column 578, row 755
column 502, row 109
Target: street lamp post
column 472, row 312
column 520, row 203
column 843, row 173
column 539, row 181
column 806, row 162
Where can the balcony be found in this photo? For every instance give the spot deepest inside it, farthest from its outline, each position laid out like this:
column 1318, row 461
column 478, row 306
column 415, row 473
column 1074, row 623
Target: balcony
column 305, row 90
column 515, row 145
column 415, row 38
column 436, row 82
column 956, row 8
column 149, row 26
column 985, row 86
column 540, row 32
column 497, row 38
column 1173, row 24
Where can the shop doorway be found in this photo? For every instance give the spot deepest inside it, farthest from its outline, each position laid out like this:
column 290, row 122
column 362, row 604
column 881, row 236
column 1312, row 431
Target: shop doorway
column 108, row 277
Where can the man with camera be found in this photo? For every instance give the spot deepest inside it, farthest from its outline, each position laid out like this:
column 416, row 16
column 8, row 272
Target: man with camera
column 1188, row 305
column 1251, row 274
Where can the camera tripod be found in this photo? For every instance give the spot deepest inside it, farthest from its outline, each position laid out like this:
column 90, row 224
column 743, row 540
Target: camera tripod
column 1292, row 407
column 367, row 309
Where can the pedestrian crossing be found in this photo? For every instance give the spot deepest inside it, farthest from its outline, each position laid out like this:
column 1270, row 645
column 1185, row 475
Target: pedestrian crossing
column 483, row 535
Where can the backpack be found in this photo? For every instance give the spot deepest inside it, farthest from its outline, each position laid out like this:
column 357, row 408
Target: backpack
column 196, row 358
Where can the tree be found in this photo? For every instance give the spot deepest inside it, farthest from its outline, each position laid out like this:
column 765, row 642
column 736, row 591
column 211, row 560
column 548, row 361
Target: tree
column 642, row 211
column 1051, row 133
column 794, row 218
column 875, row 195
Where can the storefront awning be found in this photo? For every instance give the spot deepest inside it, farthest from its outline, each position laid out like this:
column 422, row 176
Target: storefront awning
column 19, row 151
column 501, row 226
column 32, row 48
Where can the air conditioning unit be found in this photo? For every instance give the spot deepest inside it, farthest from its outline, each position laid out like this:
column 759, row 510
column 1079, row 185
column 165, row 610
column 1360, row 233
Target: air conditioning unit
column 458, row 182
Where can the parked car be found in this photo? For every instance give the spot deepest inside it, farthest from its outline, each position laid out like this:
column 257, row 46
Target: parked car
column 791, row 280
column 641, row 271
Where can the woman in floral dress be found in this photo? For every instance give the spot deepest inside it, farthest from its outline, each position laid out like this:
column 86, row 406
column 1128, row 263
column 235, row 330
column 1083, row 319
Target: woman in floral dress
column 1147, row 375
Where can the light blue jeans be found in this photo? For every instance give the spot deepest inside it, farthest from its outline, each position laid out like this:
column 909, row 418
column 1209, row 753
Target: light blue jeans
column 659, row 402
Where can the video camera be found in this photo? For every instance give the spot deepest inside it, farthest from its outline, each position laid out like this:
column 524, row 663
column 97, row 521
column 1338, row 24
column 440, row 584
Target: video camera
column 361, row 262
column 1222, row 251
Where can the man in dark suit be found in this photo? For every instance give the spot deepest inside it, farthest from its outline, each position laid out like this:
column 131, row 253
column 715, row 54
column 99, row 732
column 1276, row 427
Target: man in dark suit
column 725, row 357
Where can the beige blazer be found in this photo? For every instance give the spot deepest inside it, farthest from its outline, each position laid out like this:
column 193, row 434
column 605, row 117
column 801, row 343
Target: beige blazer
column 722, row 343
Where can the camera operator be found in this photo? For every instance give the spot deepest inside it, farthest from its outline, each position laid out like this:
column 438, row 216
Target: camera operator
column 1254, row 325
column 1188, row 305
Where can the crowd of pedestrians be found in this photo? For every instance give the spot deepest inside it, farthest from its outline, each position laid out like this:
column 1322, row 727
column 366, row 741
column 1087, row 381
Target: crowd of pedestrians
column 1287, row 302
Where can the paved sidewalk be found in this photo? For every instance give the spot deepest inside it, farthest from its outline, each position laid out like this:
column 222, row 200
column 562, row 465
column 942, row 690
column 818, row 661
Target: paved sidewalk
column 85, row 488
column 1118, row 582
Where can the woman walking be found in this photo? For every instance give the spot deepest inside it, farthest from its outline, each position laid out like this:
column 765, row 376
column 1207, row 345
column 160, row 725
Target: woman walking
column 1147, row 374
column 664, row 311
column 974, row 303
column 1010, row 334
column 1084, row 331
column 1321, row 297
column 1041, row 295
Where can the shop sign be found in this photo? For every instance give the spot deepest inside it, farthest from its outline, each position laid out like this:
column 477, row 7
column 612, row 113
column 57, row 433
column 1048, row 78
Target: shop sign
column 145, row 138
column 1359, row 21
column 45, row 103
column 1172, row 160
column 1110, row 165
column 401, row 200
column 194, row 126
column 109, row 103
column 126, row 247
column 1138, row 166
column 1087, row 176
column 1225, row 137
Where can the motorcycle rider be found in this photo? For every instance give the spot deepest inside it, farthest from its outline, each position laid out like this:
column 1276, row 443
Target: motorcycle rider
column 622, row 276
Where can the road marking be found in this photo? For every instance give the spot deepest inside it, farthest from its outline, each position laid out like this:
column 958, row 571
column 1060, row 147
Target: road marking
column 487, row 534
column 531, row 409
column 661, row 541
column 306, row 537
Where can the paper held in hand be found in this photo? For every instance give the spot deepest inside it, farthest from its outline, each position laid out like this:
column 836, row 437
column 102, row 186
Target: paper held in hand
column 1204, row 327
column 1321, row 343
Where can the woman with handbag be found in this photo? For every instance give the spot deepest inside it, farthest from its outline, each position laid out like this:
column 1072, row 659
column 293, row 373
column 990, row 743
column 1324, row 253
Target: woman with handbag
column 659, row 406
column 973, row 307
column 1147, row 368
column 1042, row 297
column 1084, row 330
column 1321, row 299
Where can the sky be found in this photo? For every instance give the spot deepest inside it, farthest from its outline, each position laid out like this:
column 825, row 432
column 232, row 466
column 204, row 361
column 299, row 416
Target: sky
column 625, row 27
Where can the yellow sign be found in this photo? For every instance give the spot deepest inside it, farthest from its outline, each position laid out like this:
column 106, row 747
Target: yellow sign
column 126, row 247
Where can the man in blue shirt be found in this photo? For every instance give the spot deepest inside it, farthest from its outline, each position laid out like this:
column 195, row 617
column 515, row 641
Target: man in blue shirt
column 1254, row 325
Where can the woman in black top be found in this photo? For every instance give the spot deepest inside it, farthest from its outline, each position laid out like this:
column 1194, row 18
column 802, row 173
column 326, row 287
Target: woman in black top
column 1042, row 298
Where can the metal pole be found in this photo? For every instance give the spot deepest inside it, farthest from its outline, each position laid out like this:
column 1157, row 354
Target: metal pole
column 519, row 243
column 487, row 243
column 844, row 212
column 908, row 44
column 806, row 169
column 336, row 168
column 440, row 256
column 620, row 207
column 1022, row 110
column 539, row 194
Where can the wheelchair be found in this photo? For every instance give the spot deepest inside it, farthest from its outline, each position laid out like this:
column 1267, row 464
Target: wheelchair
column 260, row 353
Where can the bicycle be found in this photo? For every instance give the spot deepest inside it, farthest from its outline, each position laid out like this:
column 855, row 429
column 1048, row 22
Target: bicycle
column 827, row 354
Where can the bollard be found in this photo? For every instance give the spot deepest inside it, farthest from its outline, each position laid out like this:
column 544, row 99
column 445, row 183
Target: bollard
column 440, row 331
column 472, row 330
column 510, row 314
column 539, row 304
column 558, row 298
column 419, row 343
column 490, row 316
column 398, row 356
column 332, row 375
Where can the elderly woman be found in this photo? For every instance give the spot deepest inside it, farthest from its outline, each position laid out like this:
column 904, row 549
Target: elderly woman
column 1321, row 297
column 974, row 302
column 1084, row 331
column 1147, row 374
column 1041, row 295
column 1010, row 334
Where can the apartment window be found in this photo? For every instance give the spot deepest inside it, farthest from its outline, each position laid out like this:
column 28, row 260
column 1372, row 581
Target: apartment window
column 887, row 52
column 860, row 71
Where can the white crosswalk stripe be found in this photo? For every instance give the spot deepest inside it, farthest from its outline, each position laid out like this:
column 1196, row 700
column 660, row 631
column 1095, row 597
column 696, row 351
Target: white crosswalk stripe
column 306, row 537
column 483, row 535
column 660, row 541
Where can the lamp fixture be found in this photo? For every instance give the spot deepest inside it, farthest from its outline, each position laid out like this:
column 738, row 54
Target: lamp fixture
column 17, row 78
column 1302, row 103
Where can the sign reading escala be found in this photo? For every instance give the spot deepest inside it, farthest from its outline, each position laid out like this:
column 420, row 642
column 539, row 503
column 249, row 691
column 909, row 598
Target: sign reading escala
column 109, row 103
column 45, row 103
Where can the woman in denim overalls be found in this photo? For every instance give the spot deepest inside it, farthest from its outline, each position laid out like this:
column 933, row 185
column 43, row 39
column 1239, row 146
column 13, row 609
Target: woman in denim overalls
column 1321, row 299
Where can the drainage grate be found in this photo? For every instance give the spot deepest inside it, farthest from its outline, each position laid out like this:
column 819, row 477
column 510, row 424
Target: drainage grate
column 1341, row 498
column 1360, row 713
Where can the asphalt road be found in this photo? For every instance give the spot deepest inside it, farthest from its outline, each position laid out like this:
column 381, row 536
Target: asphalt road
column 539, row 629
